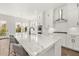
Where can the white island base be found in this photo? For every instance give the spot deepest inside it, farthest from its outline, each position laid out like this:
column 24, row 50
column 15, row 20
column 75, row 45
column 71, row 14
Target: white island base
column 55, row 50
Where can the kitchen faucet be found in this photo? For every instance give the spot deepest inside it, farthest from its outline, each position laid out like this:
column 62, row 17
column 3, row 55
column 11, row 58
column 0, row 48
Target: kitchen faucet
column 31, row 29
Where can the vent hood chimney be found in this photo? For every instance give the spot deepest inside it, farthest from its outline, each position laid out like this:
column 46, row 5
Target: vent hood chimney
column 61, row 13
column 61, row 19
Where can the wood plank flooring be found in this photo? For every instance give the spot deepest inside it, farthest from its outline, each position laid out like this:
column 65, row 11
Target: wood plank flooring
column 68, row 52
column 4, row 47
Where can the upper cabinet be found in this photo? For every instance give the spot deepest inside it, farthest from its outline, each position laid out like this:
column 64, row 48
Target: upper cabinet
column 49, row 18
column 40, row 19
column 72, row 14
column 45, row 19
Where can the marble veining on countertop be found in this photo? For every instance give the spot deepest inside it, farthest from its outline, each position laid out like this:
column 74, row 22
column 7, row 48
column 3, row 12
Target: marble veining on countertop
column 36, row 44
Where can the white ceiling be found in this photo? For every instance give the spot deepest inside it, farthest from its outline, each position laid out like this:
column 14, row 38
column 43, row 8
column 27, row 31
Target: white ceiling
column 26, row 10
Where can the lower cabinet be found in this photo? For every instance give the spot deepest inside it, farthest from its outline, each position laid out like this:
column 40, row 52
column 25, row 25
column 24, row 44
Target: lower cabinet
column 63, row 40
column 54, row 50
column 69, row 42
column 72, row 42
column 76, row 44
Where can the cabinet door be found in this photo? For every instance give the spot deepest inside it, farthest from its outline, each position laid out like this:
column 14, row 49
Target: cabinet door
column 64, row 37
column 72, row 15
column 76, row 44
column 69, row 42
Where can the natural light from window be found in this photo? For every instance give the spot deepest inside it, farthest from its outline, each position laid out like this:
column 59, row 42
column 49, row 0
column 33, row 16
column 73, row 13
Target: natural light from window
column 3, row 28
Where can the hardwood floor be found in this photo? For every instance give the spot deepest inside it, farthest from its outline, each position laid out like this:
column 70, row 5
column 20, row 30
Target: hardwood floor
column 69, row 52
column 4, row 47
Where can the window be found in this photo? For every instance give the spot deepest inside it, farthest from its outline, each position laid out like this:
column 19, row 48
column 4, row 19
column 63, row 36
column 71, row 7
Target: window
column 24, row 27
column 3, row 28
column 21, row 27
column 18, row 27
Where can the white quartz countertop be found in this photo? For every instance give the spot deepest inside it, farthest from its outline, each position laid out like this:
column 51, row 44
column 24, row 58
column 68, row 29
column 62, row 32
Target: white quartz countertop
column 37, row 44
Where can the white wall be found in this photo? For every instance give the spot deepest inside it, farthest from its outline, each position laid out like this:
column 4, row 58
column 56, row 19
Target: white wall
column 26, row 10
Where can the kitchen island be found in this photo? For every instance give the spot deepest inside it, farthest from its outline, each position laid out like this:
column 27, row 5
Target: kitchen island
column 41, row 45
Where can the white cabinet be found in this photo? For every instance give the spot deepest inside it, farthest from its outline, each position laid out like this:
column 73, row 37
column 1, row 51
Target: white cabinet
column 54, row 50
column 72, row 14
column 69, row 42
column 40, row 19
column 49, row 18
column 76, row 43
column 63, row 39
column 72, row 42
column 46, row 19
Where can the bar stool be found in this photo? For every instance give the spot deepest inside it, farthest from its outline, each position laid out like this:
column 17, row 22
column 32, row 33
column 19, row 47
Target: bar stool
column 15, row 48
column 19, row 50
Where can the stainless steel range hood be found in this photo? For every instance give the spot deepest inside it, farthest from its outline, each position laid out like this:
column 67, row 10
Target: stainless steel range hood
column 61, row 19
